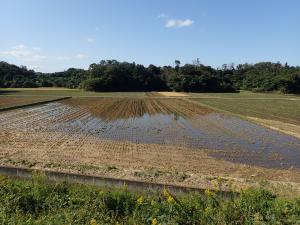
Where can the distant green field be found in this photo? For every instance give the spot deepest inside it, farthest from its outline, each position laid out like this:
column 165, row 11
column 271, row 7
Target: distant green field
column 65, row 92
column 283, row 110
column 243, row 94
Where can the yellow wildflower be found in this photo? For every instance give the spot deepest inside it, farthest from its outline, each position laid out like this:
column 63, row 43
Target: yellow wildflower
column 93, row 222
column 215, row 185
column 140, row 200
column 154, row 221
column 153, row 202
column 219, row 179
column 207, row 209
column 170, row 199
column 208, row 193
column 166, row 193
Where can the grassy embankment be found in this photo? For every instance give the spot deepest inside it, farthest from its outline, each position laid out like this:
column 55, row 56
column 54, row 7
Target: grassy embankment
column 39, row 202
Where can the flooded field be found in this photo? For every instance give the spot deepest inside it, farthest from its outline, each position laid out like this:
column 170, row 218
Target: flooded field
column 85, row 128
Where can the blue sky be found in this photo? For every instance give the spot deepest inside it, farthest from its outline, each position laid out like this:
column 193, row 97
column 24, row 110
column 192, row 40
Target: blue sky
column 53, row 35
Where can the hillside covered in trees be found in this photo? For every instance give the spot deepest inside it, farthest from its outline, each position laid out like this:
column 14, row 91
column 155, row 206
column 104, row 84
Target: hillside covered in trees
column 111, row 75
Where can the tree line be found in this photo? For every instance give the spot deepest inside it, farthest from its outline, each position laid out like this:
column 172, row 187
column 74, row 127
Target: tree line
column 112, row 75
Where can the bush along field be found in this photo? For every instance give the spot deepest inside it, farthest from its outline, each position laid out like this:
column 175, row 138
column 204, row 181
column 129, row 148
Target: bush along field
column 37, row 201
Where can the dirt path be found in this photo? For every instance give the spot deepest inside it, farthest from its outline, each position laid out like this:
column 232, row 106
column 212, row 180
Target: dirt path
column 262, row 98
column 172, row 94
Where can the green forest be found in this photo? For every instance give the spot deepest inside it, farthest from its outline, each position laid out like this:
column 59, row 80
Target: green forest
column 112, row 75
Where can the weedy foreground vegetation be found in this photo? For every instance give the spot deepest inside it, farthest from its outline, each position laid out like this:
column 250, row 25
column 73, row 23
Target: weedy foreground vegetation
column 37, row 201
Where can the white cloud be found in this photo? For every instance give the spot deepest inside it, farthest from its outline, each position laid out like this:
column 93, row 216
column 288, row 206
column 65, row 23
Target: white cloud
column 162, row 15
column 90, row 40
column 22, row 52
column 63, row 58
column 19, row 47
column 82, row 56
column 178, row 23
column 34, row 67
column 175, row 23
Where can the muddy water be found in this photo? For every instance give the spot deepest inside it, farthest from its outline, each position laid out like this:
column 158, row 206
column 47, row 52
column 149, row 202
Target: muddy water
column 227, row 137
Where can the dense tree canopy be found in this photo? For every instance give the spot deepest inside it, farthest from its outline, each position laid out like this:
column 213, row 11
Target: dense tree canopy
column 111, row 75
column 14, row 76
column 71, row 78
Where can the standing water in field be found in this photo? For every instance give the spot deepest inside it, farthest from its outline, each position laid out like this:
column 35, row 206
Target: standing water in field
column 161, row 121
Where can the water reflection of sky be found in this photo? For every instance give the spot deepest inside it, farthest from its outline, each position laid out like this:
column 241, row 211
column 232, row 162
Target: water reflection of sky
column 212, row 131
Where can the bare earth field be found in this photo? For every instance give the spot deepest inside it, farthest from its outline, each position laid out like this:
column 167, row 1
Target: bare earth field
column 159, row 140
